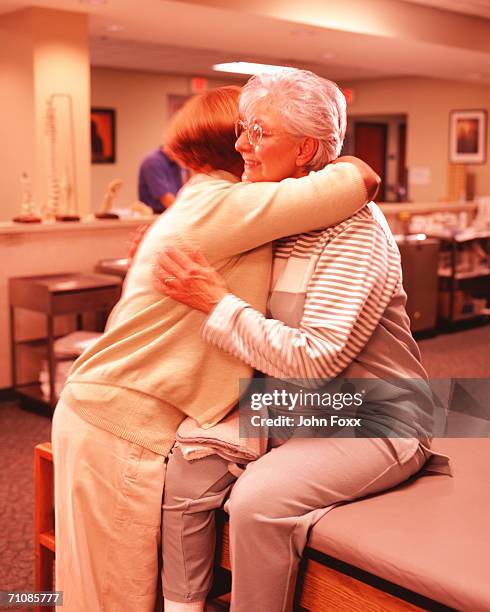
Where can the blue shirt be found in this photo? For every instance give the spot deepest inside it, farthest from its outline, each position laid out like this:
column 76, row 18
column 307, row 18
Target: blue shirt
column 158, row 175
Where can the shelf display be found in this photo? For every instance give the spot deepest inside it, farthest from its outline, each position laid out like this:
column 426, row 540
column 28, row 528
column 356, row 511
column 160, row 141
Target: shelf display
column 463, row 267
column 464, row 276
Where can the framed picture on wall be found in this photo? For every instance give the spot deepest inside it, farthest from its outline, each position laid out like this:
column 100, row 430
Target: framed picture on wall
column 103, row 135
column 467, row 136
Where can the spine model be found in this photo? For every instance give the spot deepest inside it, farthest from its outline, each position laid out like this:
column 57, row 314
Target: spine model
column 53, row 181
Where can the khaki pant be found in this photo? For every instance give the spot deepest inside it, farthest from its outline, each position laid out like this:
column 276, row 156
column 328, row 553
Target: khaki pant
column 108, row 495
column 272, row 507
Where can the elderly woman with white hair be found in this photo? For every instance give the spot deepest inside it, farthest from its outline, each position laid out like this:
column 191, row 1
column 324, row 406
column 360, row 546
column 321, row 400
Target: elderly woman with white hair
column 337, row 309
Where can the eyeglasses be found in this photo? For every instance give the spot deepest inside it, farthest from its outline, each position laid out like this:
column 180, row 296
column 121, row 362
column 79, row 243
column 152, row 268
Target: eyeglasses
column 254, row 131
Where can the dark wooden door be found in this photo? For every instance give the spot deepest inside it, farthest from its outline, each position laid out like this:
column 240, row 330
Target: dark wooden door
column 370, row 145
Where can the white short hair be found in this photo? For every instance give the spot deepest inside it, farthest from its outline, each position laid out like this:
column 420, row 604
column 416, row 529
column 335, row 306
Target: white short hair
column 309, row 105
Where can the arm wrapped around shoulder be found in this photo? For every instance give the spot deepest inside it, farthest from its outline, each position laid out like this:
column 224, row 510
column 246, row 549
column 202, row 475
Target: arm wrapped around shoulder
column 371, row 180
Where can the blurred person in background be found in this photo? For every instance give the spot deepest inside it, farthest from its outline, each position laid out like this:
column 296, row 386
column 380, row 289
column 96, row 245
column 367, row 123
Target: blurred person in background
column 160, row 178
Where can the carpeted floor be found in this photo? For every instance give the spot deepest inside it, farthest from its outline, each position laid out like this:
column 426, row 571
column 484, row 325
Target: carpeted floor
column 20, row 431
column 461, row 354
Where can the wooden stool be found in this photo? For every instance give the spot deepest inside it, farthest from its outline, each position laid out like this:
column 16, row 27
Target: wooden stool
column 44, row 542
column 115, row 267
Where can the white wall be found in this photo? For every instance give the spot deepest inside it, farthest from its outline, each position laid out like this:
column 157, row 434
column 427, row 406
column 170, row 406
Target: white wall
column 16, row 113
column 140, row 101
column 426, row 103
column 43, row 52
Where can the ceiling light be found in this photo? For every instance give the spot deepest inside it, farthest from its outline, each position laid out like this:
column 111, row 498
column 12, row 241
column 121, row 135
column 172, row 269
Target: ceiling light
column 93, row 2
column 247, row 68
column 114, row 28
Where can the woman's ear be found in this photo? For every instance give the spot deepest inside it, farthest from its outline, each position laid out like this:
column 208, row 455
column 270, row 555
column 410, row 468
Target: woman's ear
column 307, row 150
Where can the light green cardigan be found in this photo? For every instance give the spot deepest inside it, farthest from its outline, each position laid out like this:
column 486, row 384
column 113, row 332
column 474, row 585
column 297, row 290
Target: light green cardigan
column 151, row 368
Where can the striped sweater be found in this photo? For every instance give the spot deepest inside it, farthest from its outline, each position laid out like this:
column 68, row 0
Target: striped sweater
column 339, row 310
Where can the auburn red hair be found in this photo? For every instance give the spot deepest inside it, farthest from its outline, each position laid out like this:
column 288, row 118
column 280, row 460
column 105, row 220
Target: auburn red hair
column 201, row 135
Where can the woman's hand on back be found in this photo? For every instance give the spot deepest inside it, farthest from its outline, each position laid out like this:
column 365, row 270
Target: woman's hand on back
column 371, row 180
column 187, row 277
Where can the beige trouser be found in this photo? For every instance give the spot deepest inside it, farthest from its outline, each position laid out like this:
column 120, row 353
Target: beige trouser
column 108, row 496
column 272, row 506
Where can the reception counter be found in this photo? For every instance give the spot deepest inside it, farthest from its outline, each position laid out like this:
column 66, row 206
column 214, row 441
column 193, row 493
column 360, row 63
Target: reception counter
column 50, row 248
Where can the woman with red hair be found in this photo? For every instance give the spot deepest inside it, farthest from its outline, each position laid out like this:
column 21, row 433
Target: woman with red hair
column 116, row 419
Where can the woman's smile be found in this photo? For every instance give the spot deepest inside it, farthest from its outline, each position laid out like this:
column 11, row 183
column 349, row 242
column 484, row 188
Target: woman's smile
column 250, row 163
column 274, row 157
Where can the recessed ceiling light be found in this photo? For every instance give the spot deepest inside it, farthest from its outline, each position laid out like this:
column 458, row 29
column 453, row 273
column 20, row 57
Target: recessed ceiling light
column 328, row 56
column 247, row 68
column 93, row 2
column 114, row 28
